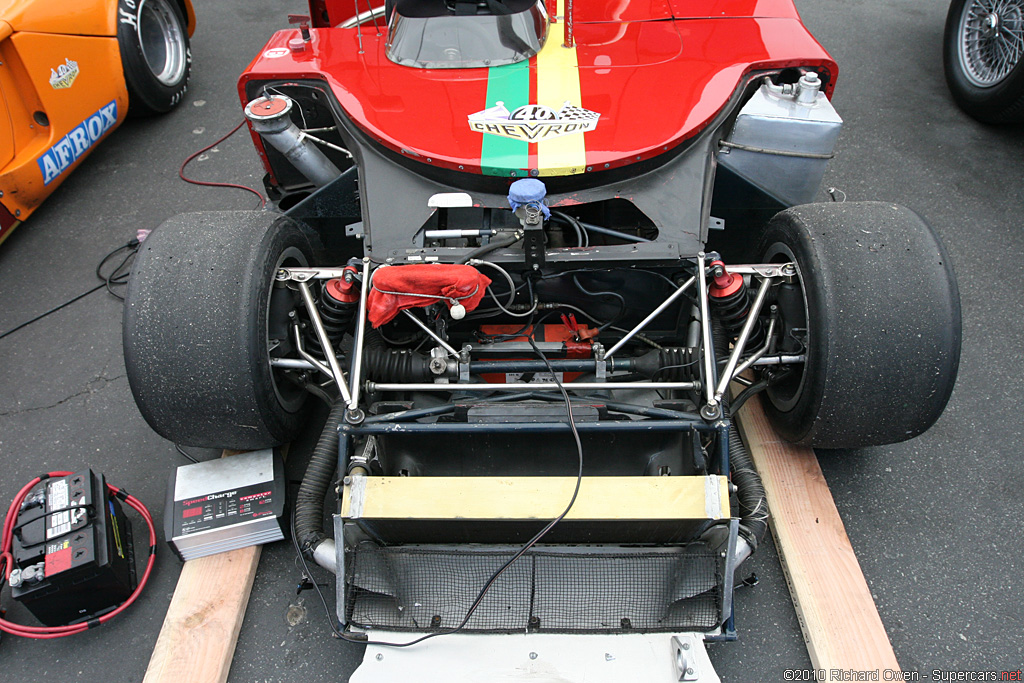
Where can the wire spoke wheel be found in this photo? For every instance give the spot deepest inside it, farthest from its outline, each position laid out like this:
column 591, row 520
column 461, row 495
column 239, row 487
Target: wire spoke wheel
column 991, row 40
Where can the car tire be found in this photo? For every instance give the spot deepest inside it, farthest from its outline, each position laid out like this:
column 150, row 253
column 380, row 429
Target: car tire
column 882, row 320
column 983, row 56
column 199, row 309
column 155, row 54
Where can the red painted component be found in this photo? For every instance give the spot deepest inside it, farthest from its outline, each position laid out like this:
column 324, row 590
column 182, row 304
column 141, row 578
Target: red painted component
column 326, row 13
column 269, row 107
column 545, row 333
column 724, row 283
column 302, row 21
column 621, row 11
column 624, row 57
column 342, row 290
column 712, row 9
column 548, row 333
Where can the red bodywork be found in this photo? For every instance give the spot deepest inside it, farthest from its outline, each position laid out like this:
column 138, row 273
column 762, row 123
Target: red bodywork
column 657, row 71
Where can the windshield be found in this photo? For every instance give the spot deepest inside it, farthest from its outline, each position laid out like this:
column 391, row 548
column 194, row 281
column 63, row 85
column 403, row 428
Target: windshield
column 448, row 39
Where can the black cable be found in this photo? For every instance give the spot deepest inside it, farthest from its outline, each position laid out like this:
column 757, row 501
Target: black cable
column 180, row 450
column 744, row 395
column 494, row 577
column 115, row 277
column 493, row 245
column 622, row 302
column 52, row 310
column 133, row 243
column 89, row 511
column 581, row 235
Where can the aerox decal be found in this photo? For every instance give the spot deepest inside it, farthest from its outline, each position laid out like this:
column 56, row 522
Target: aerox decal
column 69, row 148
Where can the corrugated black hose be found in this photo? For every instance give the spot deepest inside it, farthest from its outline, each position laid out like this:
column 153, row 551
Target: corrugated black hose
column 382, row 364
column 749, row 488
column 309, row 503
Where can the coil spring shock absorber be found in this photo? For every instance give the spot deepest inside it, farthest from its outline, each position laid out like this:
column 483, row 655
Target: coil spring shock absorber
column 339, row 300
column 729, row 298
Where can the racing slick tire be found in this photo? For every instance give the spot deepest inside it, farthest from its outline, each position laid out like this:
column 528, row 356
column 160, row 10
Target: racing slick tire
column 983, row 56
column 882, row 319
column 155, row 54
column 200, row 310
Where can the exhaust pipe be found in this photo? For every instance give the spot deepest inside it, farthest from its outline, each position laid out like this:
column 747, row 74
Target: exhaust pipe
column 270, row 117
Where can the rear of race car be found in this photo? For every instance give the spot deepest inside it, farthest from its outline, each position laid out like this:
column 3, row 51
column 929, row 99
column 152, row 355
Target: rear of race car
column 524, row 254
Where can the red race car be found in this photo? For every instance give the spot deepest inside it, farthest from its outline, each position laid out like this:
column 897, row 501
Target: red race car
column 523, row 250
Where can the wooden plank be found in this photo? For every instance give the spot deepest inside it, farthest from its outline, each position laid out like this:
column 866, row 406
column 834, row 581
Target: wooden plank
column 199, row 634
column 197, row 640
column 837, row 614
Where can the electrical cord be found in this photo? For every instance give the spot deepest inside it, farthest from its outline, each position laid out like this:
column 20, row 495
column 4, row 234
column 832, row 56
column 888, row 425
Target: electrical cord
column 582, row 239
column 744, row 396
column 622, row 302
column 508, row 278
column 115, row 277
column 206, row 183
column 107, row 281
column 494, row 577
column 493, row 245
column 7, row 564
column 187, row 456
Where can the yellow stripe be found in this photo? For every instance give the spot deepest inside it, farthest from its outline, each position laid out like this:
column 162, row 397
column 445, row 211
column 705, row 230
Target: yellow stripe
column 600, row 498
column 558, row 81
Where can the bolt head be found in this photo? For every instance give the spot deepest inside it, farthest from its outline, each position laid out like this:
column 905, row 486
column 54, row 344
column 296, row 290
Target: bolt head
column 533, row 655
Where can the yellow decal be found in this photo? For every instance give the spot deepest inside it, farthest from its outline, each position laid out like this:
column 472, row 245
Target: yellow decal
column 64, row 75
column 558, row 87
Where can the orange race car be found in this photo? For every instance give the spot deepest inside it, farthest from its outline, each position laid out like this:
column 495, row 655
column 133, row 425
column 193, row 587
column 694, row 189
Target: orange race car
column 69, row 74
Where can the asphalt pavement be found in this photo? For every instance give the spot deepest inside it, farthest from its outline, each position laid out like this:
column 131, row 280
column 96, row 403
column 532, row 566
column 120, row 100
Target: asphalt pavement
column 935, row 521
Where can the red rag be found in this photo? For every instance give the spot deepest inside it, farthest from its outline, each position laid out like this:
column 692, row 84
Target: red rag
column 466, row 284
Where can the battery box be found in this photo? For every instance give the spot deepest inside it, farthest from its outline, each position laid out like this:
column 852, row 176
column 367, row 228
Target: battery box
column 72, row 548
column 225, row 504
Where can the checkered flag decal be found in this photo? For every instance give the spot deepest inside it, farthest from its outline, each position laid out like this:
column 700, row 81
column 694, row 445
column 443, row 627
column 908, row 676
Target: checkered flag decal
column 571, row 113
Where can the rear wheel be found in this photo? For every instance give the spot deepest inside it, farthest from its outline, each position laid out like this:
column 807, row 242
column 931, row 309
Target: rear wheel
column 203, row 316
column 880, row 324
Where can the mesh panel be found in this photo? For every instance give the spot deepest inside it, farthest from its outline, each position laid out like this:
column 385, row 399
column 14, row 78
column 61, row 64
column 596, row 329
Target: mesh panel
column 565, row 590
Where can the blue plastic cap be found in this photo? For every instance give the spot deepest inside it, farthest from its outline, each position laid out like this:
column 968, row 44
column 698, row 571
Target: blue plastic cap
column 528, row 191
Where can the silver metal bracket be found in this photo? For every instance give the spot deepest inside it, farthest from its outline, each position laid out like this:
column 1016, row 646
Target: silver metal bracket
column 601, row 370
column 307, row 274
column 773, row 270
column 464, row 363
column 690, row 659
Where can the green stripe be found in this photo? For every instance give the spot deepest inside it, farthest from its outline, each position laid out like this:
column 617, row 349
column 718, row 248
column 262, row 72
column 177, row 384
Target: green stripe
column 503, row 156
